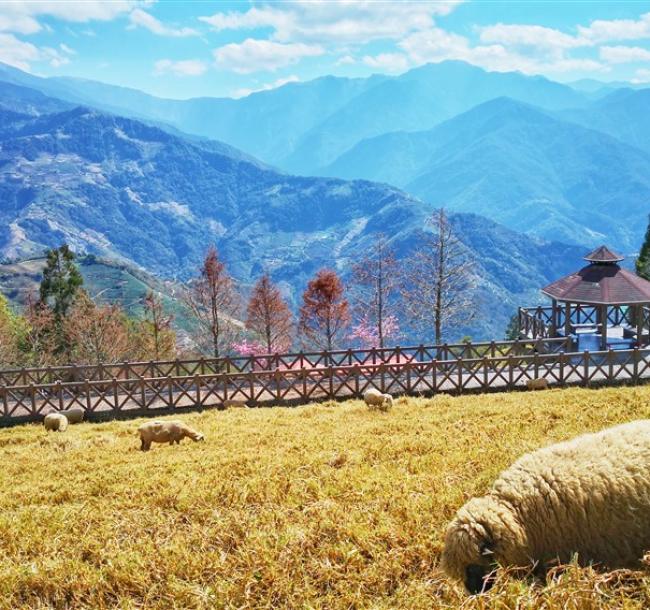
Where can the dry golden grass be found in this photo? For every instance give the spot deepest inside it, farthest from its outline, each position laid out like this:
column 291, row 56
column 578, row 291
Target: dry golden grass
column 322, row 506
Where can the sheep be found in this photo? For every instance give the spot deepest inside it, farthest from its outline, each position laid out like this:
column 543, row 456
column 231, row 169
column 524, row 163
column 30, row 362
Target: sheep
column 165, row 432
column 235, row 404
column 537, row 384
column 75, row 415
column 589, row 496
column 376, row 400
column 55, row 422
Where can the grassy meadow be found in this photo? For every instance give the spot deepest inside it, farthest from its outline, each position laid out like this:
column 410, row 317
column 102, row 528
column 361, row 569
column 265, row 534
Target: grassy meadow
column 320, row 506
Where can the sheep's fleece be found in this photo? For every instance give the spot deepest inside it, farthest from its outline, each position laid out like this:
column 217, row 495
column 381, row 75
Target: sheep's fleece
column 589, row 495
column 170, row 431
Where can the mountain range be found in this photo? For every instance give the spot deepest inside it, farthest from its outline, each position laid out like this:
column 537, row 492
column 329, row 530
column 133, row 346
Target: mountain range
column 520, row 166
column 136, row 193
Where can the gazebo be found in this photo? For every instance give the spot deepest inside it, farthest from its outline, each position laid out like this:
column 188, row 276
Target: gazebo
column 601, row 306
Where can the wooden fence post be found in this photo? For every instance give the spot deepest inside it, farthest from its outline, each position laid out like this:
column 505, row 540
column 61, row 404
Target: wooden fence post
column 635, row 370
column 59, row 393
column 87, row 397
column 585, row 367
column 511, row 379
column 561, row 359
column 486, row 380
column 115, row 396
column 170, row 391
column 32, row 393
column 459, row 364
column 434, row 375
column 5, row 403
column 197, row 384
column 610, row 364
column 330, row 376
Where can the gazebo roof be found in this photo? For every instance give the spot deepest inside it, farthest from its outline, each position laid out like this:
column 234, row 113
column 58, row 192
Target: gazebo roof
column 603, row 254
column 602, row 282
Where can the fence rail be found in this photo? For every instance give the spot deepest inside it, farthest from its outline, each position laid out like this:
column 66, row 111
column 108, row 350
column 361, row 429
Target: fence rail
column 259, row 387
column 290, row 361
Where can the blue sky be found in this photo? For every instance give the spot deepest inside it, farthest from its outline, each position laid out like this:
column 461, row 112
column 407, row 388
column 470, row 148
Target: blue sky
column 183, row 49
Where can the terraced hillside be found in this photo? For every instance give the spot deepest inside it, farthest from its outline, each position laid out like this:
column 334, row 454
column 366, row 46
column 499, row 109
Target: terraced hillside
column 320, row 506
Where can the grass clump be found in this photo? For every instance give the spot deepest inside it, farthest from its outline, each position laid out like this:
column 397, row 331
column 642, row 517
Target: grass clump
column 309, row 507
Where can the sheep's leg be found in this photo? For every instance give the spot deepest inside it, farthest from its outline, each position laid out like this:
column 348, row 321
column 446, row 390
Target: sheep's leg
column 145, row 445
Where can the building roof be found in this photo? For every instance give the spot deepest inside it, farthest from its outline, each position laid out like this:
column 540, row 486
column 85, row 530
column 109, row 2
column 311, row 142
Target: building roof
column 603, row 254
column 602, row 282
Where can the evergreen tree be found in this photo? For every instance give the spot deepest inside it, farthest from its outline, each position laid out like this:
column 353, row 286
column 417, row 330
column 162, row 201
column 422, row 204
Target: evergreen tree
column 643, row 262
column 61, row 280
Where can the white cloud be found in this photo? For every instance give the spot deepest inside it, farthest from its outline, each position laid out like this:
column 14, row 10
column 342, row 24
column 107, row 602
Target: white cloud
column 623, row 55
column 438, row 45
column 254, row 55
column 528, row 36
column 389, row 62
column 344, row 21
column 141, row 18
column 274, row 85
column 16, row 52
column 345, row 60
column 66, row 49
column 21, row 16
column 641, row 76
column 616, row 29
column 187, row 67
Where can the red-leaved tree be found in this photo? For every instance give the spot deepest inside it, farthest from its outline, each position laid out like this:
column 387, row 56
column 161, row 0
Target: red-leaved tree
column 269, row 316
column 325, row 313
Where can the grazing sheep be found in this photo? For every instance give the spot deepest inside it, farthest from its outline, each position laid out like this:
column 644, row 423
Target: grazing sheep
column 165, row 432
column 589, row 496
column 55, row 422
column 235, row 404
column 376, row 400
column 537, row 384
column 75, row 415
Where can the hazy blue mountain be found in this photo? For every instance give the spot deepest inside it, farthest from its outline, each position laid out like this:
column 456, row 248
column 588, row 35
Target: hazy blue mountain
column 417, row 100
column 131, row 192
column 303, row 126
column 622, row 113
column 519, row 166
column 266, row 124
column 22, row 100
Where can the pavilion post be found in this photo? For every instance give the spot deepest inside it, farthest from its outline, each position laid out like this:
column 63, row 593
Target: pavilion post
column 554, row 318
column 567, row 319
column 602, row 311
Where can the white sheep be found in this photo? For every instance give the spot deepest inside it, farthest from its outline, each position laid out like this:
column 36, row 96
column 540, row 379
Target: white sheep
column 589, row 497
column 75, row 415
column 376, row 400
column 55, row 422
column 537, row 384
column 171, row 432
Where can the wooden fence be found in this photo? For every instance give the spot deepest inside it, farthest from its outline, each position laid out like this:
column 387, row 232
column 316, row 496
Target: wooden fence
column 272, row 362
column 276, row 387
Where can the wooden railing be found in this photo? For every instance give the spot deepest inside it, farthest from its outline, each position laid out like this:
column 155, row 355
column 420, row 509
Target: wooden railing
column 537, row 322
column 276, row 387
column 289, row 361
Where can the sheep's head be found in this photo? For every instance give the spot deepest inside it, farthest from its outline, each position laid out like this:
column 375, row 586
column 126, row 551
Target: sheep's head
column 477, row 540
column 198, row 436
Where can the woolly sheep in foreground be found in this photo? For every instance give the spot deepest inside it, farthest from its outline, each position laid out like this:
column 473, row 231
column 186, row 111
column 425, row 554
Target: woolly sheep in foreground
column 589, row 495
column 55, row 422
column 165, row 432
column 376, row 400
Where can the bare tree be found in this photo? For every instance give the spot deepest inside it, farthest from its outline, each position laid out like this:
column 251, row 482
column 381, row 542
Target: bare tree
column 438, row 286
column 159, row 325
column 375, row 283
column 213, row 302
column 269, row 317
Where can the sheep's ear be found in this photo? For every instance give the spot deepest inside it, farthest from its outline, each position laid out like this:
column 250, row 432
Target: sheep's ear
column 487, row 548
